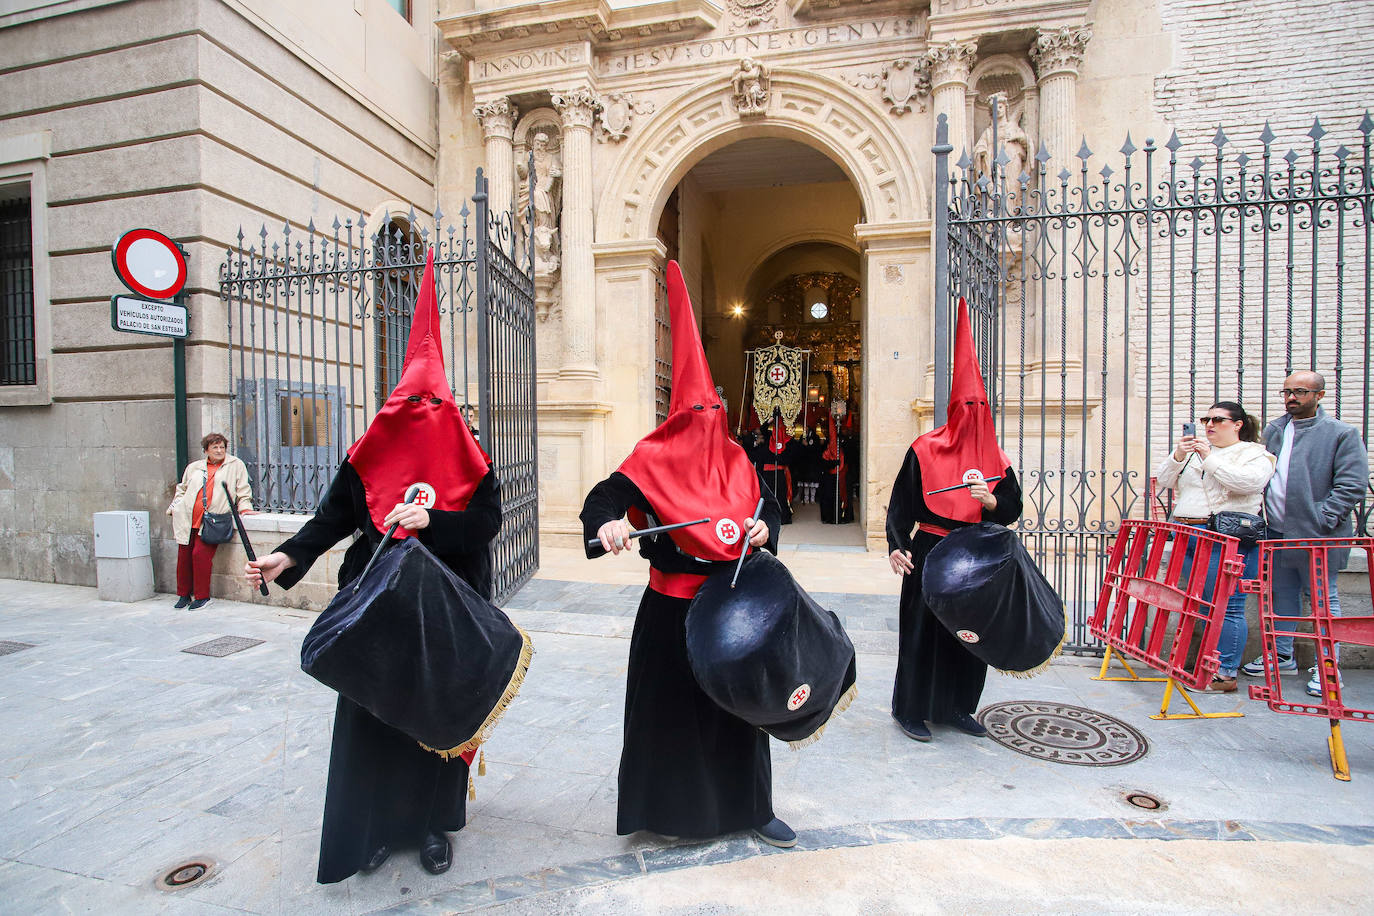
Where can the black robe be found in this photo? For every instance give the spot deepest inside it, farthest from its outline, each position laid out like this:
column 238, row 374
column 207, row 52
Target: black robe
column 937, row 677
column 687, row 768
column 384, row 789
column 777, row 478
column 834, row 492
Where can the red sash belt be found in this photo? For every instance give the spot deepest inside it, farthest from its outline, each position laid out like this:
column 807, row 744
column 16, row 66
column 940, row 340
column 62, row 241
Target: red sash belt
column 933, row 529
column 675, row 585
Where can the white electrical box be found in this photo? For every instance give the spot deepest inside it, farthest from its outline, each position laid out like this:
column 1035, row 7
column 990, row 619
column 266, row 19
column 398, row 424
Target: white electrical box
column 121, row 535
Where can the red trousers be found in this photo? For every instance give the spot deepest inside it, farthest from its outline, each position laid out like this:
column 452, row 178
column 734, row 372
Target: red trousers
column 193, row 566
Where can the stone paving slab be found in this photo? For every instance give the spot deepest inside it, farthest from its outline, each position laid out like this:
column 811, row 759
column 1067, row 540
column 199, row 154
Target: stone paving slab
column 125, row 755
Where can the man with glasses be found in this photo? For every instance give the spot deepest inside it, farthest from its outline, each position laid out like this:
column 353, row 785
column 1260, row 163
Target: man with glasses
column 1323, row 469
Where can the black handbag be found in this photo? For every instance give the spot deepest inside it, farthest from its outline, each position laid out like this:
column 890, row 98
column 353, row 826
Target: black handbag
column 215, row 527
column 1244, row 527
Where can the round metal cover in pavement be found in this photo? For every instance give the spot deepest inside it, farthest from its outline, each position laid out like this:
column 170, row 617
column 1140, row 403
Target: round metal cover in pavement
column 1063, row 734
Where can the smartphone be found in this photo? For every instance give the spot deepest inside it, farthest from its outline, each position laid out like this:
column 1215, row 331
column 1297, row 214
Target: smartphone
column 1190, row 429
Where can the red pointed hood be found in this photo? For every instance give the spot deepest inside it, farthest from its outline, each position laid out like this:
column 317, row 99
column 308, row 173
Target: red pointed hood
column 419, row 435
column 967, row 440
column 777, row 442
column 832, row 444
column 690, row 467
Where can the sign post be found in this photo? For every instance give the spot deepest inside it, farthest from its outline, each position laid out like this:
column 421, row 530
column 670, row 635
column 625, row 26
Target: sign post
column 153, row 267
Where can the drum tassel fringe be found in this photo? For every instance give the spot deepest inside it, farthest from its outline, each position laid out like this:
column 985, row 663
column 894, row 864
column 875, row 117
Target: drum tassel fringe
column 1032, row 672
column 840, row 706
column 517, row 679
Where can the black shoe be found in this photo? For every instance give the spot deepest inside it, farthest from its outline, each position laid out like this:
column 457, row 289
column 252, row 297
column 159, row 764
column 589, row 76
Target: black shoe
column 436, row 855
column 182, row 601
column 776, row 833
column 917, row 732
column 199, row 603
column 377, row 860
column 969, row 725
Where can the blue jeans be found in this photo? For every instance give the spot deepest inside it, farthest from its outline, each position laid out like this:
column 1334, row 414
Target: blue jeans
column 1289, row 584
column 1234, row 629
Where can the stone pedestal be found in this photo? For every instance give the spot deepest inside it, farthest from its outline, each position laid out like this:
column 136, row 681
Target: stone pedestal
column 127, row 579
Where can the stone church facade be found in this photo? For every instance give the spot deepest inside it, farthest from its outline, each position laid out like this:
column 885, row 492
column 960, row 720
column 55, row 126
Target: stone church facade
column 753, row 141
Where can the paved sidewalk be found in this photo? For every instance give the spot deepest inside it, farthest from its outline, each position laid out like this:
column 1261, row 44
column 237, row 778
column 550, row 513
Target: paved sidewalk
column 123, row 756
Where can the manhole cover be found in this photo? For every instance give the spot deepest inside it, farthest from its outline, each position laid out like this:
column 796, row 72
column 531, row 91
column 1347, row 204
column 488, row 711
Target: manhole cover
column 1144, row 801
column 1063, row 734
column 186, row 874
column 224, row 645
column 7, row 647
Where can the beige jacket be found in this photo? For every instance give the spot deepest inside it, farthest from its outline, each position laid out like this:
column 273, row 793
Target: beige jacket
column 233, row 472
column 1232, row 479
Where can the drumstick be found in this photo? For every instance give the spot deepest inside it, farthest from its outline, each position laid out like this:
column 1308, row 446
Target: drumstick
column 410, row 494
column 740, row 564
column 960, row 486
column 243, row 535
column 592, row 542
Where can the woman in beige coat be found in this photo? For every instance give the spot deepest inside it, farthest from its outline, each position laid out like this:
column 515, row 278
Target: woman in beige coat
column 1225, row 471
column 202, row 490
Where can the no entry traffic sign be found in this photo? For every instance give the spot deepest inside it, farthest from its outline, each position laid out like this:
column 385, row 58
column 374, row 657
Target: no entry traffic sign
column 149, row 263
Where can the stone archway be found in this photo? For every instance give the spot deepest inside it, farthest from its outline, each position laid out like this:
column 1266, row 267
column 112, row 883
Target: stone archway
column 892, row 235
column 819, row 112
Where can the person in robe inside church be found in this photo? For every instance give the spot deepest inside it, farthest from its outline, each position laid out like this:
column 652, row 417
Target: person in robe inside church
column 938, row 680
column 781, row 451
column 833, row 493
column 385, row 791
column 687, row 767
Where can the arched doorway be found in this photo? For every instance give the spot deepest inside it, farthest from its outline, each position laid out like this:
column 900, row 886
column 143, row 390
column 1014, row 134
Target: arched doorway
column 763, row 228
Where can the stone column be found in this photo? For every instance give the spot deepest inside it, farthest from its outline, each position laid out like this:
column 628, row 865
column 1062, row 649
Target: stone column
column 578, row 106
column 950, row 63
column 1057, row 54
column 497, row 118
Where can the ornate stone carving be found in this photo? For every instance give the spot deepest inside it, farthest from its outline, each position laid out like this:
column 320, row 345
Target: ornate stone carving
column 577, row 106
column 750, row 83
column 1013, row 146
column 497, row 117
column 547, row 208
column 751, row 14
column 1060, row 50
column 904, row 82
column 950, row 62
column 617, row 111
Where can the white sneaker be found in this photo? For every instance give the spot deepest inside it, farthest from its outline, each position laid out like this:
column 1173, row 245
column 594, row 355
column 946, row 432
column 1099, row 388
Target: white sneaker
column 1314, row 683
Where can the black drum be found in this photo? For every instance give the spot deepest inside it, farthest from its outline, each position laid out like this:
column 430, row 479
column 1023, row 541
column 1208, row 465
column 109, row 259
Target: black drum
column 420, row 650
column 766, row 652
column 980, row 582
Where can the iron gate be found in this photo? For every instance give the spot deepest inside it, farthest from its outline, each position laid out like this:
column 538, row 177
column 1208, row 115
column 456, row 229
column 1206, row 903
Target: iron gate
column 1110, row 307
column 317, row 330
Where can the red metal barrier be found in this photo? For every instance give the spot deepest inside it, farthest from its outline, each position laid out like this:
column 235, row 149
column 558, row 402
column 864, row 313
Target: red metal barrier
column 1326, row 633
column 1155, row 601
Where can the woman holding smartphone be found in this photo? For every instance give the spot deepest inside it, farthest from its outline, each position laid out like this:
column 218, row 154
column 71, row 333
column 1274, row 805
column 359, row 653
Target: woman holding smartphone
column 1225, row 470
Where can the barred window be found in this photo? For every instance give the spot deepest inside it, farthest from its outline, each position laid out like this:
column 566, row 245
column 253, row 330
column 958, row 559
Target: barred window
column 18, row 359
column 399, row 261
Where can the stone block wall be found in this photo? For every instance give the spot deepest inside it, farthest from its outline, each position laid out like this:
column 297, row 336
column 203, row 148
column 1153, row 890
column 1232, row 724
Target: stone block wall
column 198, row 118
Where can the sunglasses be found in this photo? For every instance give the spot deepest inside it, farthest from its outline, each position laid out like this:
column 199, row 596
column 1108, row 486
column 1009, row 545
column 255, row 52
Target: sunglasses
column 1209, row 420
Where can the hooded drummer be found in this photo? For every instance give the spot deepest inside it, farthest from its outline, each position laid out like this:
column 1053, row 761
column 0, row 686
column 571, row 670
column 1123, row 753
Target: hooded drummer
column 687, row 768
column 938, row 679
column 385, row 791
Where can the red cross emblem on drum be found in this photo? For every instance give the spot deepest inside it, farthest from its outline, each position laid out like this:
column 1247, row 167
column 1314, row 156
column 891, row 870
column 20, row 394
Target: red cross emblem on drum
column 967, row 636
column 798, row 697
column 424, row 496
column 727, row 531
column 777, row 375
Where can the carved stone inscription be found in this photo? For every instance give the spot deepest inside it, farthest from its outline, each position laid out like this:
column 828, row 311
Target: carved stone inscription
column 528, row 62
column 960, row 6
column 739, row 46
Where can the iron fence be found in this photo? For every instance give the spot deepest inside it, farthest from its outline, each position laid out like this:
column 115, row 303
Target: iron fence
column 317, row 329
column 1110, row 304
